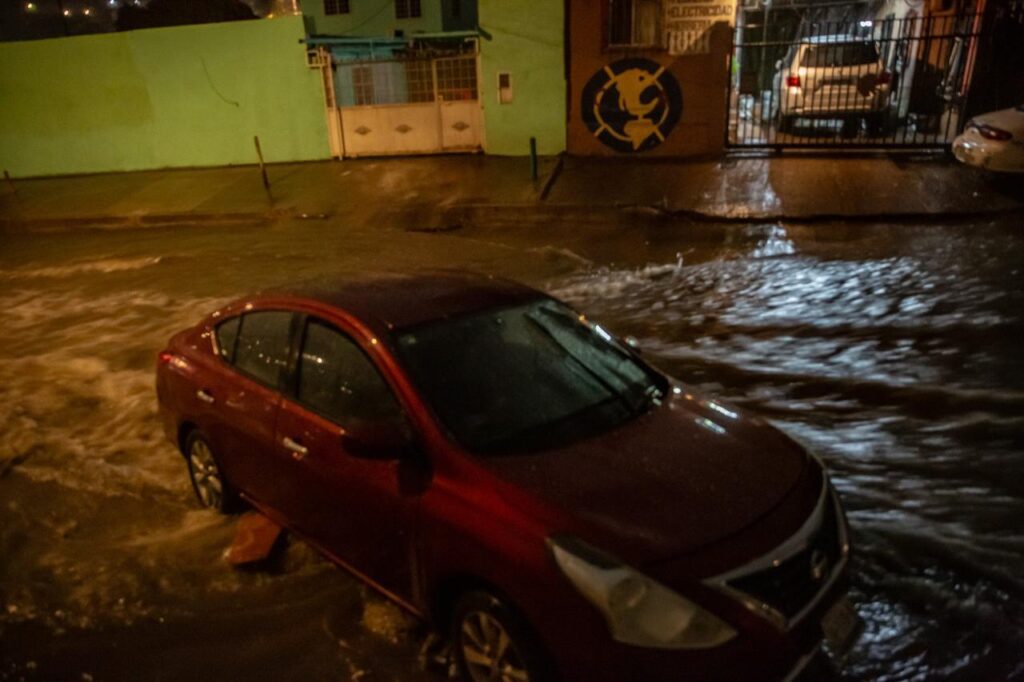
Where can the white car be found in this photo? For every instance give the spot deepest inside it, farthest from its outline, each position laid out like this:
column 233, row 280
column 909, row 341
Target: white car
column 993, row 141
column 832, row 76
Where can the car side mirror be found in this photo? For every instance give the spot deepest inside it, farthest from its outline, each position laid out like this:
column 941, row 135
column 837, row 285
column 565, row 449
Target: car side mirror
column 376, row 440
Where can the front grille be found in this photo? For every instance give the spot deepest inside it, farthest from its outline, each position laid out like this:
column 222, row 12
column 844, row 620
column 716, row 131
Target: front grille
column 791, row 585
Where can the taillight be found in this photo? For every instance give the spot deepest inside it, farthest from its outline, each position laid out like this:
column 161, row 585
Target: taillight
column 793, row 81
column 993, row 133
column 884, row 78
column 168, row 358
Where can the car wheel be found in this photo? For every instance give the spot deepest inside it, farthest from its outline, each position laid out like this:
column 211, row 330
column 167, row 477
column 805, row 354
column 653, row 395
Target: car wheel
column 851, row 126
column 875, row 124
column 208, row 482
column 785, row 123
column 491, row 642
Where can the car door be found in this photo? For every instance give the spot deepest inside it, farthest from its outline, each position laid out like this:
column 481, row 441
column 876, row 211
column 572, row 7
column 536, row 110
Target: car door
column 246, row 396
column 351, row 505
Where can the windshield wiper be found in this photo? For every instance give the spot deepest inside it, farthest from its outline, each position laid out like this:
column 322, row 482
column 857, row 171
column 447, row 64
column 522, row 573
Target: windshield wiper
column 625, row 397
column 653, row 395
column 523, row 437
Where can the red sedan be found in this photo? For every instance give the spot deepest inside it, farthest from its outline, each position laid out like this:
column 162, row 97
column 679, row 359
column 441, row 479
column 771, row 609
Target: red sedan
column 496, row 463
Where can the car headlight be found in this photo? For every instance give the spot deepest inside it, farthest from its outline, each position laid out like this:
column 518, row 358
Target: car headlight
column 639, row 610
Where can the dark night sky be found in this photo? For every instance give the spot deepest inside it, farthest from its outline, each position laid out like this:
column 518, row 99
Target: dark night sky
column 45, row 18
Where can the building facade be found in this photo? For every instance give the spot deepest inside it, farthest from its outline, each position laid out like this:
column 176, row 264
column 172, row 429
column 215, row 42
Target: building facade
column 523, row 83
column 387, row 18
column 648, row 77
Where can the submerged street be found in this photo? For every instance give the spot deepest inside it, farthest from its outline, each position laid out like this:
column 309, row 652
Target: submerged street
column 892, row 351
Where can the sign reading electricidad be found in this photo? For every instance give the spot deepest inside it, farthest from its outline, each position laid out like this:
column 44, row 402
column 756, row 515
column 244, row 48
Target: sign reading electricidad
column 631, row 105
column 688, row 23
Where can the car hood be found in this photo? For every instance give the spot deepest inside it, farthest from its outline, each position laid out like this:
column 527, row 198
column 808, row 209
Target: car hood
column 1011, row 120
column 688, row 473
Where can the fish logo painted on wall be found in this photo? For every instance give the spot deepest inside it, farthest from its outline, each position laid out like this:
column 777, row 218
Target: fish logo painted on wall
column 631, row 105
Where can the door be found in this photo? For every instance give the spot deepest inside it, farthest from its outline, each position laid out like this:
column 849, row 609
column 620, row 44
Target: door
column 245, row 396
column 390, row 129
column 458, row 99
column 413, row 105
column 350, row 505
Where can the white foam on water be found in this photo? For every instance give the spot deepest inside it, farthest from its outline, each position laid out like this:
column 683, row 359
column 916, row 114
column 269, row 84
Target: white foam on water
column 92, row 266
column 78, row 411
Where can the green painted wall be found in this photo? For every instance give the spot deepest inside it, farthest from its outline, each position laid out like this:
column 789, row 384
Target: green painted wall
column 158, row 98
column 524, row 38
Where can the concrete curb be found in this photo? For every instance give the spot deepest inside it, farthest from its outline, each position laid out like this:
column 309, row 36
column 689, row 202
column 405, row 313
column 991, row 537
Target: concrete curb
column 500, row 216
column 129, row 222
column 509, row 215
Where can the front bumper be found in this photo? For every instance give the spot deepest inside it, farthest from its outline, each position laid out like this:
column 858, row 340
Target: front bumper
column 1004, row 157
column 757, row 654
column 772, row 643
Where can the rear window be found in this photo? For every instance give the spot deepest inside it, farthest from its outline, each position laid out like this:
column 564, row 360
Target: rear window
column 839, row 54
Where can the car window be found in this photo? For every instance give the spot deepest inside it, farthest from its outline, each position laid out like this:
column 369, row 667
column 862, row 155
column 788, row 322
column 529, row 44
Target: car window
column 338, row 380
column 227, row 332
column 839, row 54
column 261, row 349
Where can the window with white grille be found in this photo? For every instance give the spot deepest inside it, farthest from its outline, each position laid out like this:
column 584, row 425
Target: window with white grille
column 456, row 79
column 362, row 85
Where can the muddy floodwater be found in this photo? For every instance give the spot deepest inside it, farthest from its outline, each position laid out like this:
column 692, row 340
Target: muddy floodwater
column 895, row 352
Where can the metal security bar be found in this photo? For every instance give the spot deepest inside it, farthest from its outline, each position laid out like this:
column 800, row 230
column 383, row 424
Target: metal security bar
column 456, row 78
column 851, row 82
column 406, row 81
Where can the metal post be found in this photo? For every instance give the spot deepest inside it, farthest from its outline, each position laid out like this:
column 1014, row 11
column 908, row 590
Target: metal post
column 263, row 168
column 10, row 183
column 764, row 48
column 533, row 158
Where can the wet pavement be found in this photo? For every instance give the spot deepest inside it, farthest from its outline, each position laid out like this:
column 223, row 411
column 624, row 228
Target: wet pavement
column 776, row 187
column 891, row 350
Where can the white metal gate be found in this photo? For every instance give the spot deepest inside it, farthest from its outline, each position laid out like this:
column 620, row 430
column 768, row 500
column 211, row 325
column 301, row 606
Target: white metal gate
column 416, row 105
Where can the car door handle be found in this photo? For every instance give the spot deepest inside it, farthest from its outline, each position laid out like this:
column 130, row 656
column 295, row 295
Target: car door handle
column 298, row 451
column 204, row 396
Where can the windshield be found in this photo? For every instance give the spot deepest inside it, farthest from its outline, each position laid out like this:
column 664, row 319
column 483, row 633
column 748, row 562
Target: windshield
column 526, row 378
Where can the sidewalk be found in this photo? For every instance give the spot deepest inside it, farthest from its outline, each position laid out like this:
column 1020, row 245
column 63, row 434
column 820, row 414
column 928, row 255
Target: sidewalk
column 796, row 188
column 740, row 189
column 236, row 193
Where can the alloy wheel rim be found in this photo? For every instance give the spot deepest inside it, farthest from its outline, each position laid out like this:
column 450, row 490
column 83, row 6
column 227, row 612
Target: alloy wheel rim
column 488, row 650
column 205, row 475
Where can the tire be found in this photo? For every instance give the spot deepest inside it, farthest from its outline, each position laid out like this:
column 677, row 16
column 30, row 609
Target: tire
column 208, row 483
column 875, row 124
column 785, row 123
column 851, row 126
column 478, row 621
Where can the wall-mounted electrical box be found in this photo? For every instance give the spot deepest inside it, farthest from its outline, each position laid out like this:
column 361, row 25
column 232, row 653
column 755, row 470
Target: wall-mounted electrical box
column 504, row 88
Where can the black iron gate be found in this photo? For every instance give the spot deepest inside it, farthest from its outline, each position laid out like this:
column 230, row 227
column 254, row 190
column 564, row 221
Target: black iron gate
column 831, row 76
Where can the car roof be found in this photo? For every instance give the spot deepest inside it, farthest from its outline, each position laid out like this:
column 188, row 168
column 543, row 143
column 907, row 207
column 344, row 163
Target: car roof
column 388, row 301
